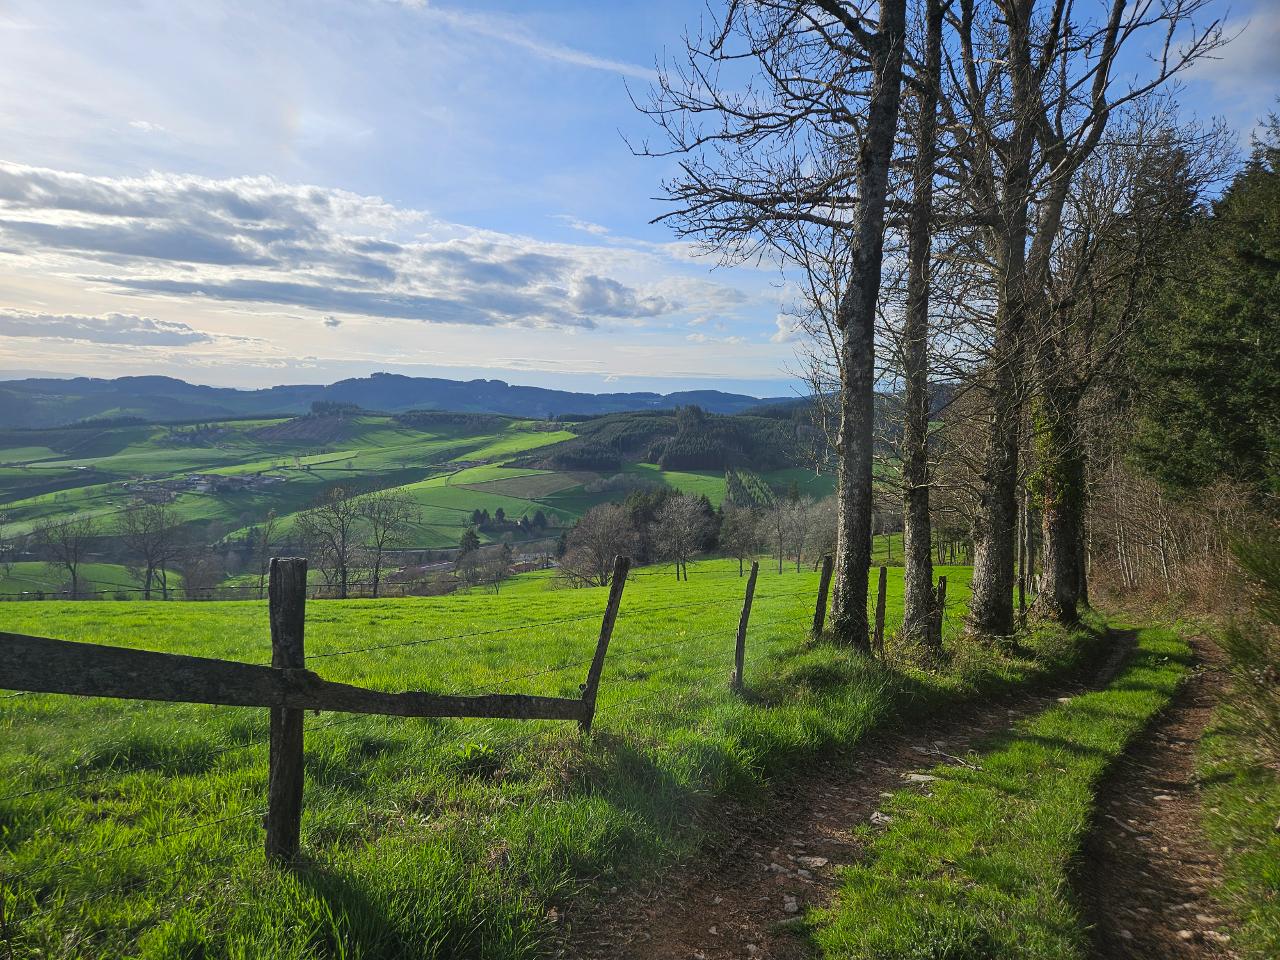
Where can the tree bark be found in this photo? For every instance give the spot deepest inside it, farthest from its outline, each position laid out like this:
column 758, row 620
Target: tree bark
column 991, row 606
column 917, row 534
column 856, row 319
column 1060, row 483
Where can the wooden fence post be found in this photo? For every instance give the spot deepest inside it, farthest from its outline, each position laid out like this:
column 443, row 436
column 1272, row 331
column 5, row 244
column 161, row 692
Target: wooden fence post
column 824, row 585
column 621, row 565
column 740, row 651
column 940, row 608
column 878, row 640
column 287, row 597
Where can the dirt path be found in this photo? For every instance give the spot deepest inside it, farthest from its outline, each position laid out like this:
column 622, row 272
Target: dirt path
column 742, row 897
column 1147, row 872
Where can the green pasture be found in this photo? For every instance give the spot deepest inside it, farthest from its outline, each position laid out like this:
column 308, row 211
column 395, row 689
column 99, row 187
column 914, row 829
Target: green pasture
column 33, row 576
column 84, row 471
column 133, row 829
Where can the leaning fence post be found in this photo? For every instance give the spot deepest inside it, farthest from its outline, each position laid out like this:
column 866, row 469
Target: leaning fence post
column 940, row 608
column 824, row 585
column 287, row 600
column 880, row 597
column 740, row 650
column 620, row 567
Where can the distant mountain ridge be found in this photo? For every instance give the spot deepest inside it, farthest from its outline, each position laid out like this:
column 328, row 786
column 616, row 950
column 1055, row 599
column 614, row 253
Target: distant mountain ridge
column 49, row 402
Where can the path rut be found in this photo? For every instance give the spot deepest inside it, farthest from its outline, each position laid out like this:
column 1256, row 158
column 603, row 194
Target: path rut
column 743, row 896
column 1147, row 873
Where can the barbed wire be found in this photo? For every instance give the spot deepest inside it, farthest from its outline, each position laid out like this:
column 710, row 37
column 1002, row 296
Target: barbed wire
column 456, row 636
column 616, row 654
column 697, row 666
column 713, row 660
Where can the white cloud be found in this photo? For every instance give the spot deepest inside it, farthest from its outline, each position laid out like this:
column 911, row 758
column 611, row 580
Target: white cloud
column 788, row 328
column 113, row 328
column 257, row 240
column 1243, row 76
column 510, row 30
column 586, row 226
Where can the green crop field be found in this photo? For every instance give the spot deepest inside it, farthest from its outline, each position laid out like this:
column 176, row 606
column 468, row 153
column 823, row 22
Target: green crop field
column 134, row 828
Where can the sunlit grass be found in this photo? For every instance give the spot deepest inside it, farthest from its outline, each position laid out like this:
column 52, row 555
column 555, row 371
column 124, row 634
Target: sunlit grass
column 976, row 865
column 132, row 829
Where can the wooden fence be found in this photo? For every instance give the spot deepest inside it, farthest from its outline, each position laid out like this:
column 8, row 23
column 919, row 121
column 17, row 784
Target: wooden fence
column 287, row 688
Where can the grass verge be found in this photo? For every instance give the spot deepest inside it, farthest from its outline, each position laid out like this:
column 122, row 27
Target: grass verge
column 978, row 866
column 1241, row 809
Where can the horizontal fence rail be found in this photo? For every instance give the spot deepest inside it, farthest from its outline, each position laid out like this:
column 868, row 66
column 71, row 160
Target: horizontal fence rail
column 40, row 665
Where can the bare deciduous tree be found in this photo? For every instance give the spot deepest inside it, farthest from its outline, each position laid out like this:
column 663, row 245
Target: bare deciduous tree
column 1033, row 89
column 149, row 531
column 389, row 515
column 66, row 544
column 917, row 534
column 680, row 530
column 739, row 534
column 796, row 160
column 330, row 531
column 202, row 570
column 603, row 533
column 268, row 539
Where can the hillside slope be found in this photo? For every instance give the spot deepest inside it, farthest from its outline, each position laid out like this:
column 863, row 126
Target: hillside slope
column 43, row 402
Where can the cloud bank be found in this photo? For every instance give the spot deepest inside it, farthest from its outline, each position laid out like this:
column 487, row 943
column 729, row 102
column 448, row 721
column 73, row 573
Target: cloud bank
column 111, row 328
column 257, row 240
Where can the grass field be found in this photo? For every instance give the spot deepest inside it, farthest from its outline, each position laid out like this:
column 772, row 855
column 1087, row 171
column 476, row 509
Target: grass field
column 133, row 829
column 95, row 578
column 978, row 866
column 89, row 472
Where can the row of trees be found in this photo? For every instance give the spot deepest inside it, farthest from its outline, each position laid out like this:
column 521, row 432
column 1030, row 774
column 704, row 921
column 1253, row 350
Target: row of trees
column 676, row 528
column 150, row 540
column 965, row 191
column 346, row 534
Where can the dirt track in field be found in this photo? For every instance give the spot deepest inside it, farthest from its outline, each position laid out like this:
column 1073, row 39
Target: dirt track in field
column 1147, row 872
column 767, row 863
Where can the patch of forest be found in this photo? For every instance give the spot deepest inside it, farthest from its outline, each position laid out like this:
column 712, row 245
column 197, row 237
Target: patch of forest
column 685, row 439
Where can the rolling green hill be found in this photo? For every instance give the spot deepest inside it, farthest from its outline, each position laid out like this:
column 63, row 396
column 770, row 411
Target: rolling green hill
column 222, row 477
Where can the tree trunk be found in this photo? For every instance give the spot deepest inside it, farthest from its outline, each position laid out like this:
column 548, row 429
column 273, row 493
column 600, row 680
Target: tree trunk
column 1062, row 491
column 856, row 317
column 917, row 533
column 991, row 605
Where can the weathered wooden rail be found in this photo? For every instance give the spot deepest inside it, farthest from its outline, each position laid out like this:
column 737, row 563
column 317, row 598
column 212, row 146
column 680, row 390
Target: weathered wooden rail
column 286, row 687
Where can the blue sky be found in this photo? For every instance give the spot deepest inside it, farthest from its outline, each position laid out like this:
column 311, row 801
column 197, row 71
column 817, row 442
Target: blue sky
column 253, row 193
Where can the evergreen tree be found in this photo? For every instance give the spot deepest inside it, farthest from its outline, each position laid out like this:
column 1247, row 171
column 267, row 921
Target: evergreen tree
column 1209, row 371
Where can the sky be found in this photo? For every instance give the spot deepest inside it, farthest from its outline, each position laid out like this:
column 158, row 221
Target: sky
column 258, row 192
